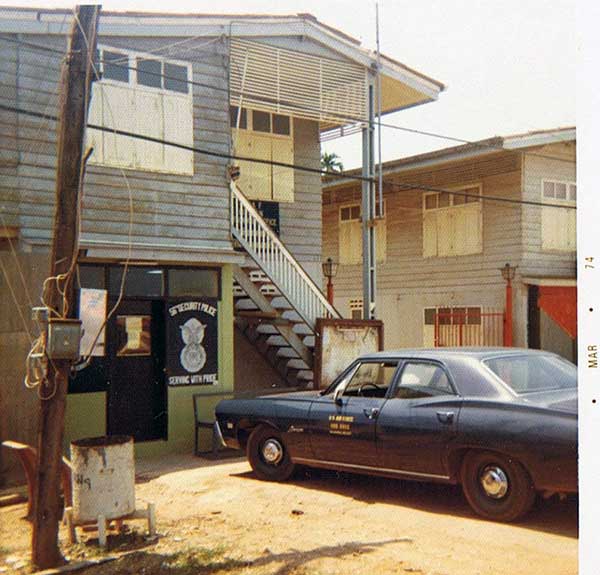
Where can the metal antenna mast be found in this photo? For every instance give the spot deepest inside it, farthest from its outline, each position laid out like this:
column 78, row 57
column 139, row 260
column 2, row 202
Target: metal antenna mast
column 380, row 166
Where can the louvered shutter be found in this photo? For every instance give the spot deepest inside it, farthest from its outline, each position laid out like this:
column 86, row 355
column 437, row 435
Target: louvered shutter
column 149, row 155
column 283, row 178
column 381, row 240
column 430, row 234
column 303, row 85
column 95, row 138
column 179, row 128
column 118, row 111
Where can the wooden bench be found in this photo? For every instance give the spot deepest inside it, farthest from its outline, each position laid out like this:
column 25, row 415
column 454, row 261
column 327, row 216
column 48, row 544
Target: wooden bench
column 28, row 458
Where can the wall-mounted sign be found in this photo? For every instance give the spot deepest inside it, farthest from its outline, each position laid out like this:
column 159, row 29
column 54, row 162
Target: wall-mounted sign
column 92, row 313
column 270, row 213
column 192, row 342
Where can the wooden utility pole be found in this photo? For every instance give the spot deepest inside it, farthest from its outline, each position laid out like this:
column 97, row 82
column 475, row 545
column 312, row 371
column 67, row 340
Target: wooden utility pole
column 76, row 76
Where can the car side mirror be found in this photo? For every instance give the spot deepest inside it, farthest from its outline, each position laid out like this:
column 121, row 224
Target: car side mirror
column 337, row 394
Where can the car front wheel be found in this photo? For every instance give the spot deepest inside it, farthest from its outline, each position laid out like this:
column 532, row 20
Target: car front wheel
column 268, row 455
column 496, row 487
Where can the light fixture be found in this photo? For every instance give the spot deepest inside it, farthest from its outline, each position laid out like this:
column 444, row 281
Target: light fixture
column 329, row 268
column 508, row 272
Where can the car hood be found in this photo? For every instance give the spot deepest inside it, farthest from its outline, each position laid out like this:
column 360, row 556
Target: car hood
column 562, row 400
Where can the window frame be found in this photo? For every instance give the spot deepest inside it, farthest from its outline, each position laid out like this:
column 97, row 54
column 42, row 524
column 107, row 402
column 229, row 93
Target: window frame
column 106, row 267
column 452, row 307
column 393, row 389
column 250, row 123
column 349, row 373
column 562, row 249
column 356, row 304
column 566, row 201
column 132, row 57
column 452, row 208
column 342, row 222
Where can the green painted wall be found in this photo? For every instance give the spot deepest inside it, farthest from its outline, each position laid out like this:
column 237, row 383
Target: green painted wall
column 85, row 416
column 86, row 412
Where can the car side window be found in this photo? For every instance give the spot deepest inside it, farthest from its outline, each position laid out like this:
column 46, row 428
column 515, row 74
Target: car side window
column 422, row 379
column 371, row 379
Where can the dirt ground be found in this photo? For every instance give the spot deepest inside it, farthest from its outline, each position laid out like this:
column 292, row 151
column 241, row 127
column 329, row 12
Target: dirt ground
column 215, row 518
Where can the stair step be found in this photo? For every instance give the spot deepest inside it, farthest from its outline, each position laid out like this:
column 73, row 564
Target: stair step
column 277, row 340
column 305, row 374
column 257, row 314
column 298, row 364
column 280, row 302
column 292, row 315
column 309, row 341
column 302, row 329
column 245, row 304
column 267, row 329
column 289, row 352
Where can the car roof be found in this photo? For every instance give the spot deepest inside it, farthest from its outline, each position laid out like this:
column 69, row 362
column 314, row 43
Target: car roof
column 442, row 353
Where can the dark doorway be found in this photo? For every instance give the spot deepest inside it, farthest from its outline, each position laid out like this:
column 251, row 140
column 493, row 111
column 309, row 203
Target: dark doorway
column 533, row 318
column 137, row 397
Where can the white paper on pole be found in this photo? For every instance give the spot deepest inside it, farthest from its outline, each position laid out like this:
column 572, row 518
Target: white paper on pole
column 92, row 313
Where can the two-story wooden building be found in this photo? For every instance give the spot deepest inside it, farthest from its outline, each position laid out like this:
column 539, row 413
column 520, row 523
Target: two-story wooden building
column 452, row 219
column 217, row 281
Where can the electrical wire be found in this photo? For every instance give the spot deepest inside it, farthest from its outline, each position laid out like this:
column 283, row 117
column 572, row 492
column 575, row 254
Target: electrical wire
column 341, row 175
column 483, row 144
column 86, row 361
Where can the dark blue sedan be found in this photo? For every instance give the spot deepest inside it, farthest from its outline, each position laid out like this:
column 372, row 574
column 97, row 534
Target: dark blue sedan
column 501, row 422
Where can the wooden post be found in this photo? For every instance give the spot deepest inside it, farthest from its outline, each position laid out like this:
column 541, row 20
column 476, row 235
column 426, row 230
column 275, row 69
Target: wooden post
column 76, row 78
column 508, row 316
column 330, row 290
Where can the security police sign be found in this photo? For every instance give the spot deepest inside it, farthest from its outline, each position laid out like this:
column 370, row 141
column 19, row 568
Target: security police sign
column 192, row 342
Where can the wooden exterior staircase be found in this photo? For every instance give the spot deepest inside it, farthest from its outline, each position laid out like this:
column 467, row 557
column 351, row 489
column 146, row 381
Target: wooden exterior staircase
column 276, row 302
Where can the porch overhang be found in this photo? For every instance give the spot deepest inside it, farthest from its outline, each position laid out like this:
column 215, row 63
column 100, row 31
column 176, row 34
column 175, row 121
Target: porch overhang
column 341, row 100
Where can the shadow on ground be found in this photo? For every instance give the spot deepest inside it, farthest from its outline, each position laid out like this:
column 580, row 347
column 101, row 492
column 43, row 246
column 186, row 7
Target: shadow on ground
column 551, row 516
column 208, row 561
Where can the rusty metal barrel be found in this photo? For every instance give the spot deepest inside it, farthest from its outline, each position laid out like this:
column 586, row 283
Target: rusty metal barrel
column 103, row 473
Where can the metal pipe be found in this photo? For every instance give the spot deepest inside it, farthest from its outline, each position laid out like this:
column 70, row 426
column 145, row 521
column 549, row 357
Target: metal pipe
column 380, row 165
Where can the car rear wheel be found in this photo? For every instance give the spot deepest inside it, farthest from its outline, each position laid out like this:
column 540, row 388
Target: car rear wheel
column 268, row 454
column 496, row 487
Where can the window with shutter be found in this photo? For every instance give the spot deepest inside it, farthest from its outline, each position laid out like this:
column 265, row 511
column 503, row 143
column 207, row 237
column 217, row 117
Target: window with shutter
column 350, row 236
column 152, row 99
column 559, row 224
column 264, row 136
column 452, row 224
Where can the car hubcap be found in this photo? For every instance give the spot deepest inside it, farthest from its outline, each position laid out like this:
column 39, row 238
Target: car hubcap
column 494, row 482
column 272, row 451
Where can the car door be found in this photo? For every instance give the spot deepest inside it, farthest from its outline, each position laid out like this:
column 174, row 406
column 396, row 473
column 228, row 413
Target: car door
column 342, row 423
column 419, row 420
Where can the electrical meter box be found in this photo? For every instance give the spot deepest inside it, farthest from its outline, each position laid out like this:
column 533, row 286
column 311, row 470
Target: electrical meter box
column 64, row 336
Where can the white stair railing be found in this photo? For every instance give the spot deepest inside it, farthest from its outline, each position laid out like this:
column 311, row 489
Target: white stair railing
column 267, row 250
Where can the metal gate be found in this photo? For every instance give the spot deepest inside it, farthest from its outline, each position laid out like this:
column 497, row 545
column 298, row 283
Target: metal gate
column 468, row 327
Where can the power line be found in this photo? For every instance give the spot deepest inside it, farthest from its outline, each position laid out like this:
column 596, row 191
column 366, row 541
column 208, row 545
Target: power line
column 487, row 145
column 405, row 186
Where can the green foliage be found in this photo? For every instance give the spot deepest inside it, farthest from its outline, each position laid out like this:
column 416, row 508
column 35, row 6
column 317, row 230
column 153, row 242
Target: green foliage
column 331, row 162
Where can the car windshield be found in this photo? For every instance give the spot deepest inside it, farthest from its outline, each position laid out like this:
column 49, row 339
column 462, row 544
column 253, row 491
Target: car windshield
column 534, row 373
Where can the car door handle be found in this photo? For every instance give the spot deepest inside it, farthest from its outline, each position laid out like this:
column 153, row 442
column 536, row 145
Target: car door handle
column 371, row 413
column 445, row 416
